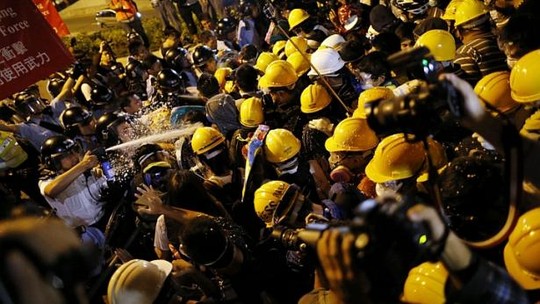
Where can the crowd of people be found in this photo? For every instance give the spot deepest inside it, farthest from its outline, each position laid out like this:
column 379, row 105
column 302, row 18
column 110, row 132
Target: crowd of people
column 285, row 152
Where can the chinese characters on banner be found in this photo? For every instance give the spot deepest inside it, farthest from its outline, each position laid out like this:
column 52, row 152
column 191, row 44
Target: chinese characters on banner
column 30, row 50
column 47, row 9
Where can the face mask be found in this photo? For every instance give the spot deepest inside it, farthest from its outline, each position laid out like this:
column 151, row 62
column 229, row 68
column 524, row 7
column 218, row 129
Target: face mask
column 511, row 62
column 388, row 188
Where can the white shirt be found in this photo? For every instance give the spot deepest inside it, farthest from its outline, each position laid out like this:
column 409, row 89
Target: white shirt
column 78, row 204
column 161, row 241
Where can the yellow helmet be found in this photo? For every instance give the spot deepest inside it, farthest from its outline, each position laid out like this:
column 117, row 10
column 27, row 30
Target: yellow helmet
column 299, row 63
column 471, row 13
column 523, row 249
column 440, row 43
column 267, row 199
column 450, row 11
column 524, row 78
column 371, row 95
column 395, row 159
column 314, row 98
column 280, row 146
column 278, row 74
column 264, row 59
column 251, row 112
column 279, row 48
column 438, row 159
column 138, row 281
column 300, row 42
column 494, row 89
column 425, row 284
column 221, row 75
column 352, row 135
column 205, row 139
column 296, row 17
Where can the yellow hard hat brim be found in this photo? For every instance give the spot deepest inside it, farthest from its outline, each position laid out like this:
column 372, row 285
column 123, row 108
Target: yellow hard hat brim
column 526, row 281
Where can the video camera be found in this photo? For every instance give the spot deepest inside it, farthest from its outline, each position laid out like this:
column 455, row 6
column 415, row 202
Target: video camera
column 423, row 111
column 376, row 221
column 386, row 243
column 106, row 166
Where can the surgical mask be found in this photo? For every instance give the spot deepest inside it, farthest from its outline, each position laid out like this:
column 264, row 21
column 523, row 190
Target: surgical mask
column 388, row 188
column 288, row 167
column 511, row 61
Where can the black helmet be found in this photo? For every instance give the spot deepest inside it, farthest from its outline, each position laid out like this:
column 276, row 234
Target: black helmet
column 106, row 128
column 27, row 104
column 72, row 117
column 54, row 148
column 169, row 81
column 245, row 8
column 117, row 68
column 101, row 96
column 225, row 26
column 54, row 85
column 202, row 55
column 177, row 58
column 134, row 70
column 134, row 36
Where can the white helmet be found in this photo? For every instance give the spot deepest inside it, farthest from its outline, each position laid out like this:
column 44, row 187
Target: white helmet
column 326, row 61
column 333, row 41
column 138, row 281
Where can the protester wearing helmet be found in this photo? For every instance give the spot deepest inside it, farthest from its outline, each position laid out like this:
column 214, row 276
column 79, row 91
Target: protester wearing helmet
column 279, row 82
column 351, row 147
column 327, row 63
column 212, row 151
column 282, row 151
column 479, row 55
column 73, row 187
column 425, row 284
column 396, row 164
column 520, row 250
column 264, row 59
column 525, row 91
column 139, row 281
column 204, row 60
column 316, row 104
column 442, row 46
column 251, row 116
column 494, row 90
column 301, row 23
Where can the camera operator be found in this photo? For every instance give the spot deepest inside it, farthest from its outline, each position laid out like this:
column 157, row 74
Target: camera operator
column 471, row 279
column 72, row 185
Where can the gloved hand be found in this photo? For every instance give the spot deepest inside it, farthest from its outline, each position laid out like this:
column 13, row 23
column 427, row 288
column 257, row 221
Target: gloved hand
column 322, row 124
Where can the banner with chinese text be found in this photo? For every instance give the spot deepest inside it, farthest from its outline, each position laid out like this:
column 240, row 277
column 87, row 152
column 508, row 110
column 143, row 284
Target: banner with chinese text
column 30, row 50
column 47, row 9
